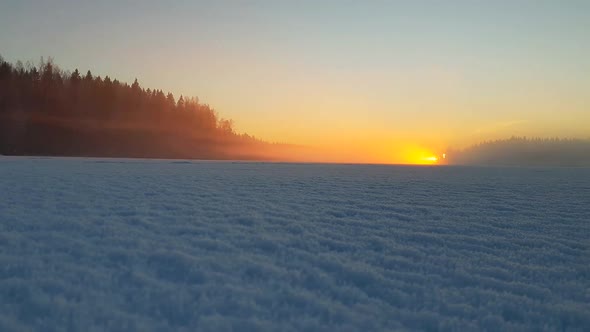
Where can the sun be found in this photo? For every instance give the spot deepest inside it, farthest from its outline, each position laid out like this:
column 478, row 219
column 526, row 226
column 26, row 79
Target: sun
column 432, row 159
column 423, row 157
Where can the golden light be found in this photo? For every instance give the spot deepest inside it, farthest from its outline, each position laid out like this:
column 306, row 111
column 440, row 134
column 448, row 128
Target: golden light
column 419, row 155
column 432, row 159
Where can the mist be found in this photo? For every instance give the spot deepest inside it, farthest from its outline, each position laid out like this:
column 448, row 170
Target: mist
column 522, row 151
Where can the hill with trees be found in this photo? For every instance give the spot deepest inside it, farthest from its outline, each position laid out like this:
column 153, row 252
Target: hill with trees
column 48, row 111
column 522, row 151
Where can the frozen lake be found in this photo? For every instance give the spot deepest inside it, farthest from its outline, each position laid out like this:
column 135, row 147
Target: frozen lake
column 95, row 244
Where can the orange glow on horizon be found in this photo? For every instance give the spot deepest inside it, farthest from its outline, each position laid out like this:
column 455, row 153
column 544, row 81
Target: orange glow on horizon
column 369, row 154
column 365, row 150
column 404, row 153
column 418, row 155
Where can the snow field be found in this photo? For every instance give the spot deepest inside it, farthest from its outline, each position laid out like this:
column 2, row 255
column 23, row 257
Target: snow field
column 119, row 245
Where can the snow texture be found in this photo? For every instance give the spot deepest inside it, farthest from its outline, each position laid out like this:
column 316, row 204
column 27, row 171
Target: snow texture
column 123, row 245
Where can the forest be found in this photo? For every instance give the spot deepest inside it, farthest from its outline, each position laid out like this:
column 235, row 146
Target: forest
column 523, row 151
column 47, row 111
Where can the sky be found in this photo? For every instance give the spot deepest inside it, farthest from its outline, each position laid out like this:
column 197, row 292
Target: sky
column 375, row 81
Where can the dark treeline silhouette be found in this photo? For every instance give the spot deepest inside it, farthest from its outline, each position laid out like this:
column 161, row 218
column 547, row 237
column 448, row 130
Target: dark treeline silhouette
column 522, row 151
column 47, row 111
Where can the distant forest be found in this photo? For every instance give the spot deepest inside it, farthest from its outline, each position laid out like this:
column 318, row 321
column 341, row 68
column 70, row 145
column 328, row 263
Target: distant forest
column 522, row 151
column 48, row 111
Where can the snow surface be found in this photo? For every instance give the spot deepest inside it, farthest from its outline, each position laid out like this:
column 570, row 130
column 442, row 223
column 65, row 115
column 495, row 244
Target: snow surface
column 92, row 245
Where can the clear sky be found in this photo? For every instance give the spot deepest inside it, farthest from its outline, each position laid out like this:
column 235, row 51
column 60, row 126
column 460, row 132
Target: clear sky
column 377, row 79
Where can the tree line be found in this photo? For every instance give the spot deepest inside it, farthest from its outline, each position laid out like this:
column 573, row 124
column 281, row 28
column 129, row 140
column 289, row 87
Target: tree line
column 523, row 151
column 48, row 111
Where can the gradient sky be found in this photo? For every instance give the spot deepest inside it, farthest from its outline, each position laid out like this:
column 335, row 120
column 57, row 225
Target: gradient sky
column 377, row 79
